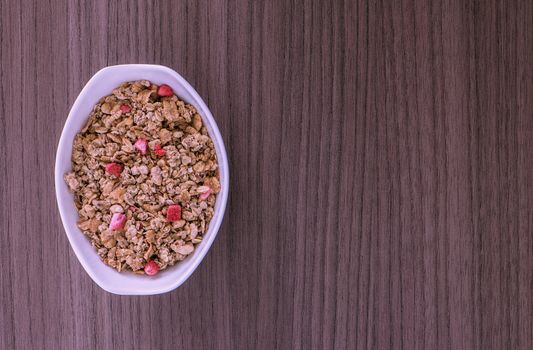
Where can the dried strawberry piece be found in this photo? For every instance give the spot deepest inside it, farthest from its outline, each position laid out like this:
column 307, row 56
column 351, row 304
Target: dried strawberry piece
column 114, row 169
column 151, row 268
column 205, row 195
column 133, row 208
column 165, row 91
column 159, row 151
column 141, row 145
column 174, row 213
column 204, row 192
column 124, row 108
column 117, row 222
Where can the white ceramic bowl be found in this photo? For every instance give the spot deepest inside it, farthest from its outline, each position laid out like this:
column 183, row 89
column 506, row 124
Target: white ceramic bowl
column 102, row 84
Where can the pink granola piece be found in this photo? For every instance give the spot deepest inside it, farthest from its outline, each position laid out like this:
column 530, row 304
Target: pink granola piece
column 114, row 169
column 174, row 213
column 159, row 151
column 141, row 145
column 117, row 222
column 205, row 195
column 165, row 91
column 125, row 108
column 151, row 268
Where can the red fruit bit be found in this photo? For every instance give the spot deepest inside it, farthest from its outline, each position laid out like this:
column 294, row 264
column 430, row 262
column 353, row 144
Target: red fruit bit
column 114, row 169
column 125, row 108
column 159, row 151
column 151, row 268
column 117, row 222
column 141, row 145
column 174, row 213
column 133, row 209
column 205, row 191
column 165, row 91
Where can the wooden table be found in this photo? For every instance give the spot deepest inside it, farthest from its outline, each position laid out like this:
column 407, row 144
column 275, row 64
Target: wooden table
column 381, row 174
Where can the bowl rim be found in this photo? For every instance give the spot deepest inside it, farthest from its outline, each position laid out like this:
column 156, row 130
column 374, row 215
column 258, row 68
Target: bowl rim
column 222, row 159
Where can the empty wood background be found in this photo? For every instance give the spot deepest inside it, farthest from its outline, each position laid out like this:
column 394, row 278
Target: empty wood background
column 381, row 173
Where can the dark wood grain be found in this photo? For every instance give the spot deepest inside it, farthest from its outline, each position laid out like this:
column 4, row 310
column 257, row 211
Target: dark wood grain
column 381, row 172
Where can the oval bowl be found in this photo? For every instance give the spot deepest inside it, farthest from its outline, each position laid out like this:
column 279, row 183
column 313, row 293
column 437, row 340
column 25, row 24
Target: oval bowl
column 100, row 85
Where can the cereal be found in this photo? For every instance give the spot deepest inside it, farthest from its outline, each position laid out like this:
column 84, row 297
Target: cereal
column 144, row 177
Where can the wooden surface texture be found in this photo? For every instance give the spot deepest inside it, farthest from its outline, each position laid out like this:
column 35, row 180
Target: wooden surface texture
column 381, row 158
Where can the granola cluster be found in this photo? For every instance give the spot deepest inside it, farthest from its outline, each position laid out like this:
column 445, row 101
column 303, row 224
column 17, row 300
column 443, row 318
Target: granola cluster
column 144, row 178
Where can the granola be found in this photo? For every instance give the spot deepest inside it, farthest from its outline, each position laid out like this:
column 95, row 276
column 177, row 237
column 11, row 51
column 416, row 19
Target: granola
column 144, row 178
